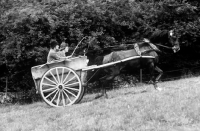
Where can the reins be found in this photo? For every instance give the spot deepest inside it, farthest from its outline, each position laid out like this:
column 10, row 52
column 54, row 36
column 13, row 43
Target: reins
column 163, row 46
column 168, row 47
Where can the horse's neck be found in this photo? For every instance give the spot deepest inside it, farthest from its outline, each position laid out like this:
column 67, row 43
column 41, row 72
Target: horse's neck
column 160, row 37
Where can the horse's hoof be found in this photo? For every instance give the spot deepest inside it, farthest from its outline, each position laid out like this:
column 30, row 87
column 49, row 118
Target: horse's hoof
column 98, row 96
column 158, row 89
column 150, row 82
column 101, row 96
column 105, row 96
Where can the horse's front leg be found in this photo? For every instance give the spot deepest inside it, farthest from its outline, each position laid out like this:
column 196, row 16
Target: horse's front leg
column 160, row 73
column 158, row 78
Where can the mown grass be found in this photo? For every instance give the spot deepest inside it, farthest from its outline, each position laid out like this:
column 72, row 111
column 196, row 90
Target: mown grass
column 176, row 108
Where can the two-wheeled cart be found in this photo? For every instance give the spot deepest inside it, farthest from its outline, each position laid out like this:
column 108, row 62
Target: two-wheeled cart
column 62, row 83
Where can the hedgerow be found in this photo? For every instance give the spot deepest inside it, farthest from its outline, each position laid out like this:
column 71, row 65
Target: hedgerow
column 27, row 26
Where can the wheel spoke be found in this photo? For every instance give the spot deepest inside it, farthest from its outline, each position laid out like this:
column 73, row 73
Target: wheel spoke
column 58, row 75
column 46, row 84
column 63, row 98
column 70, row 92
column 62, row 75
column 58, row 101
column 50, row 80
column 54, row 77
column 54, row 96
column 66, row 77
column 49, row 89
column 51, row 93
column 71, row 84
column 67, row 96
column 69, row 80
column 72, row 89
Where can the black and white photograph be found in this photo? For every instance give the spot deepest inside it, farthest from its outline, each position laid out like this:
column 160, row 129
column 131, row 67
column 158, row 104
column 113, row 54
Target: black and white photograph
column 99, row 65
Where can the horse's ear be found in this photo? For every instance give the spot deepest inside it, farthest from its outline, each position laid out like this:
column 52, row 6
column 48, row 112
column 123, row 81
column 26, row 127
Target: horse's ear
column 171, row 32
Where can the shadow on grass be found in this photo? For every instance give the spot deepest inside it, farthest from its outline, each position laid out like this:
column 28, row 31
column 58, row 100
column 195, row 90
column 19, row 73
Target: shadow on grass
column 89, row 97
column 134, row 92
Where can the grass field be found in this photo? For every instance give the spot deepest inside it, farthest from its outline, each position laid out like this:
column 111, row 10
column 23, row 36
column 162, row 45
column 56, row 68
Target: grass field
column 176, row 108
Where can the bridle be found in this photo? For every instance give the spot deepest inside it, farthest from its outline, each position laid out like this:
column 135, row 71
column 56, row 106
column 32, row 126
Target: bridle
column 170, row 36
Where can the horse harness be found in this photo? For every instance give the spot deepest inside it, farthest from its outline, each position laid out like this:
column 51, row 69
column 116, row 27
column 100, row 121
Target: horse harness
column 137, row 49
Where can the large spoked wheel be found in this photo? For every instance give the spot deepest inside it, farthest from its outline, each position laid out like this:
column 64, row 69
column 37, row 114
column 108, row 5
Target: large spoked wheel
column 61, row 86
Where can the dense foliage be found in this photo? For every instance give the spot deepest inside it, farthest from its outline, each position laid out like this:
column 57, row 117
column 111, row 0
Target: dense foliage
column 27, row 26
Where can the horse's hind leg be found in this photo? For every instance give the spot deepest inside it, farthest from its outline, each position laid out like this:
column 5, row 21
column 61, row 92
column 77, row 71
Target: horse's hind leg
column 103, row 91
column 103, row 82
column 107, row 79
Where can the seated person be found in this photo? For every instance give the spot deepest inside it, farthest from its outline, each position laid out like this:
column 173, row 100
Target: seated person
column 52, row 55
column 63, row 50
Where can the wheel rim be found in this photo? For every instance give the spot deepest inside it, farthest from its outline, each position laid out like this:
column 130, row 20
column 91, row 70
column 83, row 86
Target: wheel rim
column 60, row 86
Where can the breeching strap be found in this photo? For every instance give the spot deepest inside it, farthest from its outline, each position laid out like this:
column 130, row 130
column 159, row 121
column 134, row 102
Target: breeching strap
column 92, row 75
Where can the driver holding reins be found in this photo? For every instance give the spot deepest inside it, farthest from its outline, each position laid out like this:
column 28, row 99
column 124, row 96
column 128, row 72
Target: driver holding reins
column 64, row 48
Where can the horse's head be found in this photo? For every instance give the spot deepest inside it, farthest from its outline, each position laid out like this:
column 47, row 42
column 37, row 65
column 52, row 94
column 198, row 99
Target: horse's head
column 165, row 38
column 174, row 40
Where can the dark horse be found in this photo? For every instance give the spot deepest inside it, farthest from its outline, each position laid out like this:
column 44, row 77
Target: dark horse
column 147, row 47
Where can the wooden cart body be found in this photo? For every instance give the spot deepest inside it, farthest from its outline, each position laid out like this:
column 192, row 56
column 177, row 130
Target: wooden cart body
column 76, row 63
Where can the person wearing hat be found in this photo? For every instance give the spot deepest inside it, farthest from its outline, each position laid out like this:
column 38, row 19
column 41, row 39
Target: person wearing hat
column 63, row 50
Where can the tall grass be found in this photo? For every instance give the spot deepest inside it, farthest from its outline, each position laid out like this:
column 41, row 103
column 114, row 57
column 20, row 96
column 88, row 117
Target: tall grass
column 176, row 108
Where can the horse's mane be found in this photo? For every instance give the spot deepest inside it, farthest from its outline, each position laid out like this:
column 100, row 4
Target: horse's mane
column 159, row 36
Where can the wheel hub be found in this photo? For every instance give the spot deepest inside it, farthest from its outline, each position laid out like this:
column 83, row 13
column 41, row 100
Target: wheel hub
column 60, row 87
